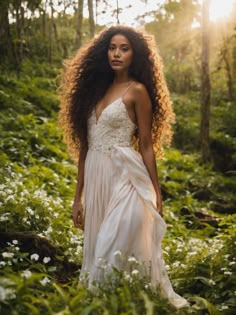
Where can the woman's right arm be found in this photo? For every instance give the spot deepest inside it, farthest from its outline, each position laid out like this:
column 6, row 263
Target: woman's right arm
column 78, row 218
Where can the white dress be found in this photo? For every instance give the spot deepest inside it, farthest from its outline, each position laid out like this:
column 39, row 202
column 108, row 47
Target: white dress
column 121, row 220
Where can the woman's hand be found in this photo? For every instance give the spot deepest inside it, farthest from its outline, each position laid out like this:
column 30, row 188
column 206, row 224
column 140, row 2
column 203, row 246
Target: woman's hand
column 159, row 204
column 77, row 215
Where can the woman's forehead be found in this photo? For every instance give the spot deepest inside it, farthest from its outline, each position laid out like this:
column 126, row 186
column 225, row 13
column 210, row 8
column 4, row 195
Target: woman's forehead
column 120, row 38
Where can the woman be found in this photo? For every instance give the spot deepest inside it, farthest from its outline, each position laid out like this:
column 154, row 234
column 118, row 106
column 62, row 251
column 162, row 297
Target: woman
column 114, row 96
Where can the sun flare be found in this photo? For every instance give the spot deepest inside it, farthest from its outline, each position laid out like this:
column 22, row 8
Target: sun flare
column 220, row 9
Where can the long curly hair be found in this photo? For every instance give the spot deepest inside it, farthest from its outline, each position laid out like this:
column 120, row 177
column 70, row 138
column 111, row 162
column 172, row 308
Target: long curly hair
column 88, row 75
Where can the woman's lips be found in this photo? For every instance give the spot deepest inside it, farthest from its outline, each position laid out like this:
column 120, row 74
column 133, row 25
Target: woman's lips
column 116, row 62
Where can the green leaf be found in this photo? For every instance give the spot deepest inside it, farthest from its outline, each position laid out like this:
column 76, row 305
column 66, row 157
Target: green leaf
column 61, row 292
column 149, row 305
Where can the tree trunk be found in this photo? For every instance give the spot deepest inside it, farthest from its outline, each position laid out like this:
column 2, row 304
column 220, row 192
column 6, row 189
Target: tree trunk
column 205, row 85
column 229, row 78
column 91, row 19
column 96, row 11
column 18, row 49
column 117, row 12
column 50, row 33
column 234, row 61
column 44, row 20
column 78, row 41
column 58, row 47
column 5, row 34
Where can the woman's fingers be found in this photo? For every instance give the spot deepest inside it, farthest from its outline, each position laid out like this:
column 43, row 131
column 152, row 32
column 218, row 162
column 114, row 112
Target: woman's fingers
column 159, row 208
column 75, row 220
column 78, row 217
column 81, row 221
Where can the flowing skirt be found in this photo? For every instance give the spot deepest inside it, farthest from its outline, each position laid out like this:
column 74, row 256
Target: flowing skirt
column 121, row 220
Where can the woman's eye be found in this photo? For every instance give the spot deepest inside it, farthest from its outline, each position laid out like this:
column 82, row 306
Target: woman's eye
column 124, row 49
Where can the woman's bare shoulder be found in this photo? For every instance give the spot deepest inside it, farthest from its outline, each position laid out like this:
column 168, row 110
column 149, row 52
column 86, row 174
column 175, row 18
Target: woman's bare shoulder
column 139, row 87
column 139, row 92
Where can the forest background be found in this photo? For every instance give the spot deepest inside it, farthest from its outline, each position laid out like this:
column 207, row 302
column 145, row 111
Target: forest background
column 41, row 251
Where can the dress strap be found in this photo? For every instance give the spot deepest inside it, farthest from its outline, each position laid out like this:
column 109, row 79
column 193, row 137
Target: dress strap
column 127, row 89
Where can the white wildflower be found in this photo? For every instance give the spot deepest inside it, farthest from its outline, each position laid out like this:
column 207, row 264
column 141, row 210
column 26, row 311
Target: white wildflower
column 9, row 191
column 48, row 231
column 10, row 197
column 228, row 273
column 15, row 242
column 40, row 193
column 102, row 263
column 2, row 263
column 176, row 264
column 40, row 234
column 30, row 211
column 117, row 253
column 232, row 263
column 74, row 239
column 132, row 259
column 26, row 274
column 135, row 272
column 7, row 255
column 45, row 281
column 34, row 257
column 3, row 294
column 6, row 294
column 4, row 217
column 224, row 307
column 127, row 277
column 46, row 259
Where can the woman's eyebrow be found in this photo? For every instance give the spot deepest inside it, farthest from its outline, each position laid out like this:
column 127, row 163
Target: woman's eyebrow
column 125, row 44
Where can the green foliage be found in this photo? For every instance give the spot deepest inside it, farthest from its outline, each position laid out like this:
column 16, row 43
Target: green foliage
column 37, row 182
column 222, row 128
column 186, row 128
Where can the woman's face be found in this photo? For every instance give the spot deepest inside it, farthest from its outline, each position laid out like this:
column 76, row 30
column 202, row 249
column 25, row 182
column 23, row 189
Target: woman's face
column 120, row 53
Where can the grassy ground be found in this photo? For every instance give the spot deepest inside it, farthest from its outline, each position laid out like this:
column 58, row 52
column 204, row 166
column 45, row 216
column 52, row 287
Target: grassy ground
column 37, row 181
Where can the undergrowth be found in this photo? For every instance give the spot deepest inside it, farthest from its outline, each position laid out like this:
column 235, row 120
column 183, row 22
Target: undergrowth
column 37, row 183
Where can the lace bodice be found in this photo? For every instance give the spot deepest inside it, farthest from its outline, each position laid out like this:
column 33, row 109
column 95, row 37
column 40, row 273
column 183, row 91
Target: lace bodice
column 113, row 128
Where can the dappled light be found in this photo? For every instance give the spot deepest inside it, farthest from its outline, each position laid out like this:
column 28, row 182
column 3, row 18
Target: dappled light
column 221, row 9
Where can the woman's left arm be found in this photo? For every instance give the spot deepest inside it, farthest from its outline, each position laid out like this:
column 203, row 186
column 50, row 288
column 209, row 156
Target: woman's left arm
column 143, row 112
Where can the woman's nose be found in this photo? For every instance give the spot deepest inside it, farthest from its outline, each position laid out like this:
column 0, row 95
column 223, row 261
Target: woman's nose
column 117, row 53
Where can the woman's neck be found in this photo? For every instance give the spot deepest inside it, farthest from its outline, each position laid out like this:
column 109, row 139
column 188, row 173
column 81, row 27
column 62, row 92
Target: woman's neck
column 121, row 78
